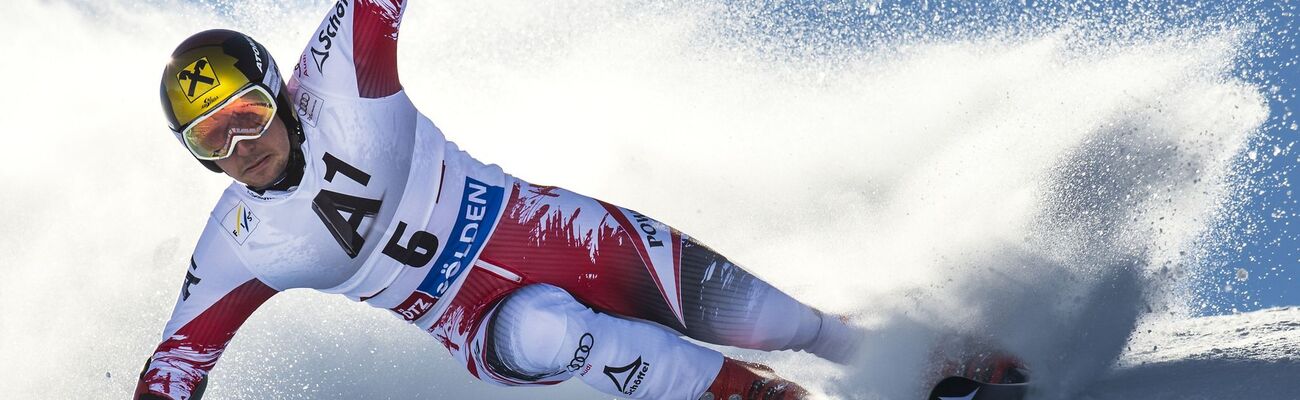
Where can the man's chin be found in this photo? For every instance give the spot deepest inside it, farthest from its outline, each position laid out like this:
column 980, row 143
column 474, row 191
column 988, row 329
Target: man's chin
column 266, row 175
column 251, row 182
column 255, row 180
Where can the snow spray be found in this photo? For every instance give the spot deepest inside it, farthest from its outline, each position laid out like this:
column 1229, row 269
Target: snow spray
column 1046, row 185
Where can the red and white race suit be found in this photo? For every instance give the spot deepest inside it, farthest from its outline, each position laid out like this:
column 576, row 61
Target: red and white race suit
column 391, row 213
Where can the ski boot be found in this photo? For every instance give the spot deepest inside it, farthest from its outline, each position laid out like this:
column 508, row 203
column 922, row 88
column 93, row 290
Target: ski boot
column 989, row 367
column 739, row 380
column 978, row 360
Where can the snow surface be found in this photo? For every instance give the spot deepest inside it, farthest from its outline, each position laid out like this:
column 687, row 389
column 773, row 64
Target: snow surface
column 1054, row 186
column 1253, row 355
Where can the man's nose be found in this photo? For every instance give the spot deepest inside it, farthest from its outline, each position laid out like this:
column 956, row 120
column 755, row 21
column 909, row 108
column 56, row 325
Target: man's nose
column 243, row 147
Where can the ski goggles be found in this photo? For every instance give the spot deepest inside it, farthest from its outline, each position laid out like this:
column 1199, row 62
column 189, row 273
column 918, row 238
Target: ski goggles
column 245, row 115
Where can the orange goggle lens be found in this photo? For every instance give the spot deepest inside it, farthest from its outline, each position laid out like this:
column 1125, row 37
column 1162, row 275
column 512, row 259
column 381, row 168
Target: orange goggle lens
column 246, row 115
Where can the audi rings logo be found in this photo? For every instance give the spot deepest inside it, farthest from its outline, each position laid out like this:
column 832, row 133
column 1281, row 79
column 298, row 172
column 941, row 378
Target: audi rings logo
column 580, row 354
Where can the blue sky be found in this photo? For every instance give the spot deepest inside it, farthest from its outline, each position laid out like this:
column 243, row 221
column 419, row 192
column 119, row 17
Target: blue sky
column 1265, row 242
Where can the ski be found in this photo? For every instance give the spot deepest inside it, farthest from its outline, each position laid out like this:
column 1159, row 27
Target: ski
column 959, row 388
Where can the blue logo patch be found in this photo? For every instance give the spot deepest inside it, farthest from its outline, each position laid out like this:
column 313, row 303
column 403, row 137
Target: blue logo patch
column 480, row 203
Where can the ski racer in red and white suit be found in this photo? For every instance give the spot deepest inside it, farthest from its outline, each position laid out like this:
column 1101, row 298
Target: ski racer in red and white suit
column 524, row 284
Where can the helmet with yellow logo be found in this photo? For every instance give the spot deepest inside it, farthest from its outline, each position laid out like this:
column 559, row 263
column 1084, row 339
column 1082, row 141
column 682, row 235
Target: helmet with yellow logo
column 218, row 69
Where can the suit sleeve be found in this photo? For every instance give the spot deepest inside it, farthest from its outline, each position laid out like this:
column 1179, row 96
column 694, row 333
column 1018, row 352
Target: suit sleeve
column 354, row 50
column 216, row 297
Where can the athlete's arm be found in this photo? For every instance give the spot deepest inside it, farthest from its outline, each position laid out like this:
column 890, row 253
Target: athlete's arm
column 353, row 52
column 218, row 294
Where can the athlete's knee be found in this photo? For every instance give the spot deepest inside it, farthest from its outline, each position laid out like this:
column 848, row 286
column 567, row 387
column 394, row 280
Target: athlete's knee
column 539, row 332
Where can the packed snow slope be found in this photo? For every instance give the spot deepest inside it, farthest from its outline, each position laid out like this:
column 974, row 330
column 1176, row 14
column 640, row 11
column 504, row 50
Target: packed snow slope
column 1252, row 355
column 1053, row 187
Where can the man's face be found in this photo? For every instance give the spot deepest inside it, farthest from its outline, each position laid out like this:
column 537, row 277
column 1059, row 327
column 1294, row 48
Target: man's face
column 258, row 162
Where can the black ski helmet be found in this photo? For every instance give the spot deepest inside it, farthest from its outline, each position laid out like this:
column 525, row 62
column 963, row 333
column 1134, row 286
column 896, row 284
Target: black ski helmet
column 209, row 67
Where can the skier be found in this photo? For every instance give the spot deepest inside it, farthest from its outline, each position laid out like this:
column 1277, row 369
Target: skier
column 343, row 186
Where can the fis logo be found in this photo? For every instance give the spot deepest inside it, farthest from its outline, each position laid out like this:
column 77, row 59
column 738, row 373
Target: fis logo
column 240, row 222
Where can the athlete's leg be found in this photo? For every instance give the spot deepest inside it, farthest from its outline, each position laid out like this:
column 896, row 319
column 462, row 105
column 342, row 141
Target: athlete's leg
column 621, row 262
column 541, row 332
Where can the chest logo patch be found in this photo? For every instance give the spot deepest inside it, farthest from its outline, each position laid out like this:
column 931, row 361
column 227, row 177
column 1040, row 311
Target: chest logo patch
column 308, row 106
column 240, row 222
